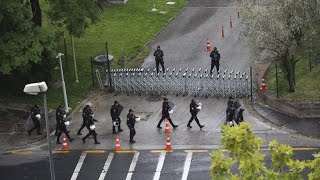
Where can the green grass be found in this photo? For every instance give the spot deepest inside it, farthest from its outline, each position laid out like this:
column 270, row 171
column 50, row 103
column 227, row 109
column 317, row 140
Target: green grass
column 127, row 28
column 307, row 83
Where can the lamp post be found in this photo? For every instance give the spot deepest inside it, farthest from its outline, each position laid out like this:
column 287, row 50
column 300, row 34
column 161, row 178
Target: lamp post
column 34, row 89
column 63, row 83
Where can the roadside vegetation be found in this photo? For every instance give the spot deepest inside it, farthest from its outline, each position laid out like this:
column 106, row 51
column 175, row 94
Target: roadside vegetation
column 243, row 159
column 127, row 29
column 276, row 30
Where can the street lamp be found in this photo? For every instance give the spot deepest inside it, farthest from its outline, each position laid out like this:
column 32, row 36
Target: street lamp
column 63, row 83
column 34, row 89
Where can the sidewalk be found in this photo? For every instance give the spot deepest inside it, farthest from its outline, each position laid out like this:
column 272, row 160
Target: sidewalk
column 307, row 127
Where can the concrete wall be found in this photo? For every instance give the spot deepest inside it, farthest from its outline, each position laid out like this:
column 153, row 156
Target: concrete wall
column 301, row 109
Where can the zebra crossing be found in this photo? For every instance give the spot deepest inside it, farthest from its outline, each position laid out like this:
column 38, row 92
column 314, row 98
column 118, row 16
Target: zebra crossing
column 109, row 165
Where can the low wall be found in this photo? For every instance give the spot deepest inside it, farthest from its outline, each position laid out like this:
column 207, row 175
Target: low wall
column 298, row 109
column 118, row 1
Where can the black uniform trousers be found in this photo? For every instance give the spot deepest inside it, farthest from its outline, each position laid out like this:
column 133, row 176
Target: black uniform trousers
column 162, row 65
column 60, row 131
column 132, row 133
column 36, row 124
column 114, row 127
column 91, row 132
column 194, row 117
column 82, row 126
column 164, row 116
column 214, row 63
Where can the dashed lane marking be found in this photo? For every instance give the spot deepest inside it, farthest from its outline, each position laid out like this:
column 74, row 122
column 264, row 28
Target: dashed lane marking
column 106, row 166
column 186, row 167
column 159, row 166
column 94, row 151
column 196, row 151
column 78, row 167
column 126, row 151
column 22, row 152
column 132, row 165
column 160, row 151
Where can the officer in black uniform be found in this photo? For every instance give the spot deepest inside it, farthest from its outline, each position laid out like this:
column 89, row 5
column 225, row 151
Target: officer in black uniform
column 35, row 116
column 58, row 112
column 115, row 116
column 239, row 117
column 158, row 54
column 62, row 128
column 91, row 128
column 131, row 120
column 194, row 111
column 165, row 114
column 85, row 115
column 215, row 59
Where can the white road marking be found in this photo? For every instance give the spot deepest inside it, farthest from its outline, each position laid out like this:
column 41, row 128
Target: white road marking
column 132, row 165
column 78, row 167
column 106, row 167
column 186, row 166
column 159, row 166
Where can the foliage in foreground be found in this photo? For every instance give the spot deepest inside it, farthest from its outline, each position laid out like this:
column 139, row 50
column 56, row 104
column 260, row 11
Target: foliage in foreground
column 243, row 153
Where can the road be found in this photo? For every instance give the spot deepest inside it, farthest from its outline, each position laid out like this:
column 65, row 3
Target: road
column 136, row 165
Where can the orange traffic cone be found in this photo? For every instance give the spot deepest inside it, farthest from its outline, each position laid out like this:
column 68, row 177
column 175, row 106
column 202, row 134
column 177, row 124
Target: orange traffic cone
column 208, row 45
column 117, row 148
column 230, row 22
column 222, row 32
column 167, row 130
column 64, row 145
column 263, row 85
column 168, row 146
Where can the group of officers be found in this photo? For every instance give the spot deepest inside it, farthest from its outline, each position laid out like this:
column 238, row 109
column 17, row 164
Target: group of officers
column 234, row 115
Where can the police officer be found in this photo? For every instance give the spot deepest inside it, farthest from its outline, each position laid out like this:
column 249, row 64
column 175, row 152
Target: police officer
column 165, row 113
column 194, row 109
column 58, row 112
column 131, row 120
column 230, row 101
column 35, row 116
column 239, row 117
column 215, row 59
column 158, row 54
column 85, row 115
column 230, row 116
column 62, row 128
column 115, row 116
column 91, row 127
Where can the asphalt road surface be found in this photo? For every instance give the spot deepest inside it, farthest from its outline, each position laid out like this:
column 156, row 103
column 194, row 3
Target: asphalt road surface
column 100, row 164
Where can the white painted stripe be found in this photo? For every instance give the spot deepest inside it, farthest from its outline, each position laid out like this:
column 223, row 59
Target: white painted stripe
column 186, row 166
column 132, row 165
column 159, row 166
column 78, row 167
column 106, row 167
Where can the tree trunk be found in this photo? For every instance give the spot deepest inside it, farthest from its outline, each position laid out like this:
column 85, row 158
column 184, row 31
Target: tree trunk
column 288, row 67
column 36, row 11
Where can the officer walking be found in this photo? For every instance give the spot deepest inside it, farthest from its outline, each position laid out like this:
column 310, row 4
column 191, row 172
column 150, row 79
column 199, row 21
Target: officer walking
column 35, row 116
column 85, row 115
column 239, row 117
column 91, row 127
column 158, row 54
column 165, row 113
column 58, row 112
column 194, row 109
column 62, row 128
column 215, row 59
column 131, row 120
column 115, row 112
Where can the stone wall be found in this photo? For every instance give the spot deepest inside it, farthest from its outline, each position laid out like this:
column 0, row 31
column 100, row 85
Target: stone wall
column 298, row 109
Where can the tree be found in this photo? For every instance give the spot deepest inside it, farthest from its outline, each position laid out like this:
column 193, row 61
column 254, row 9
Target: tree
column 277, row 28
column 22, row 41
column 243, row 150
column 75, row 15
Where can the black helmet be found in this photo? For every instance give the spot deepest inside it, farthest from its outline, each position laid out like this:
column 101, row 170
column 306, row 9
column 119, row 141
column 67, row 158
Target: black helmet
column 192, row 100
column 116, row 102
column 130, row 110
